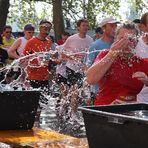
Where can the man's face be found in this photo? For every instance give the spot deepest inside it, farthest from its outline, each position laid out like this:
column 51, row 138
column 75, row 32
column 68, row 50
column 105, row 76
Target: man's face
column 29, row 33
column 145, row 26
column 83, row 28
column 7, row 33
column 110, row 29
column 45, row 29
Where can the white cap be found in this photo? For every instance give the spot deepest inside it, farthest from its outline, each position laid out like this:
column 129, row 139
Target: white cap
column 108, row 20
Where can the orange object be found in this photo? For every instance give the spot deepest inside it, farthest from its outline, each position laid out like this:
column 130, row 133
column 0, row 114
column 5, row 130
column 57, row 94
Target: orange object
column 34, row 70
column 37, row 137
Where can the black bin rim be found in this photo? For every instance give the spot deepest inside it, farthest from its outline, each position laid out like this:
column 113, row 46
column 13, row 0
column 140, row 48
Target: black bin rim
column 90, row 110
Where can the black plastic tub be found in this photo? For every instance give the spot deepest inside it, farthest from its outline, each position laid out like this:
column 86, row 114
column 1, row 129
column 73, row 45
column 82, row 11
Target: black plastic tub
column 18, row 109
column 117, row 126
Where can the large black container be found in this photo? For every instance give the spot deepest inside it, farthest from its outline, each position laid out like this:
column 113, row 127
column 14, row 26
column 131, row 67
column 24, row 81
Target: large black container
column 18, row 109
column 117, row 126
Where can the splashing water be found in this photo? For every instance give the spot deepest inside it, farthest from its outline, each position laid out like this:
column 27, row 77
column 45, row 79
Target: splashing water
column 50, row 117
column 55, row 114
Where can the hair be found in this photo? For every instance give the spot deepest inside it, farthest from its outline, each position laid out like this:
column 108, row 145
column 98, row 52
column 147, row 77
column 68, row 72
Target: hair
column 45, row 21
column 144, row 18
column 29, row 27
column 128, row 26
column 7, row 27
column 81, row 21
column 136, row 21
column 99, row 30
column 66, row 33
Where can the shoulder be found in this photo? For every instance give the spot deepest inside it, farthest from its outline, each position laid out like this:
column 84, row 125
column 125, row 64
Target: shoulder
column 18, row 40
column 73, row 36
column 13, row 39
column 102, row 54
column 33, row 39
column 95, row 44
column 89, row 38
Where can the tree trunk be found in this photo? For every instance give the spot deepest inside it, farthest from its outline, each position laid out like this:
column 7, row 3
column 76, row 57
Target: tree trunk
column 4, row 6
column 58, row 18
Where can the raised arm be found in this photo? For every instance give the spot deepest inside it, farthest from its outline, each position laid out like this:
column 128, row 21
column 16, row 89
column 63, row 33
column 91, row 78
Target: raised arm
column 95, row 73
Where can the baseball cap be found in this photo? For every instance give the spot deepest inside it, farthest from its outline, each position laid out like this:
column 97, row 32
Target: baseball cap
column 108, row 20
column 28, row 27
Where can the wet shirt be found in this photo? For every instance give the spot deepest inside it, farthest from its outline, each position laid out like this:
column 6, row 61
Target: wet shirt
column 118, row 82
column 93, row 51
column 77, row 46
column 35, row 71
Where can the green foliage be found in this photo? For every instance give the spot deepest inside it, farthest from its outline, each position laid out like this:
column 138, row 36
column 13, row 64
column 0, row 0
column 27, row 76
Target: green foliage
column 23, row 12
column 90, row 9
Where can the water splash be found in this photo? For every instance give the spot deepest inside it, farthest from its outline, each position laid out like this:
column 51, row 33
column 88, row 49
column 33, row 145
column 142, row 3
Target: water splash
column 49, row 117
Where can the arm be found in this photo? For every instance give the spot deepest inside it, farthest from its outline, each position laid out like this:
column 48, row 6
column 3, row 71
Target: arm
column 12, row 50
column 97, row 71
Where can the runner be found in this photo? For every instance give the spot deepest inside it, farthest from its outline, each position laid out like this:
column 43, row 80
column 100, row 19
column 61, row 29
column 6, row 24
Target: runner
column 38, row 75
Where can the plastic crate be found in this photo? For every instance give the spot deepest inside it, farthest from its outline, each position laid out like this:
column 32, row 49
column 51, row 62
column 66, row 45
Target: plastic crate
column 116, row 126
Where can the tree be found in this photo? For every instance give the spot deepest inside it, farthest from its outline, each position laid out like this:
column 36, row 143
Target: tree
column 58, row 18
column 4, row 6
column 69, row 10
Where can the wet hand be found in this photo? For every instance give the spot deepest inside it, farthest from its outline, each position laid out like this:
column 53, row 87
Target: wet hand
column 119, row 45
column 141, row 76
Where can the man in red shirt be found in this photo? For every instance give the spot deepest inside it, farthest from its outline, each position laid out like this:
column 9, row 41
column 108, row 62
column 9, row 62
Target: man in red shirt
column 120, row 74
column 38, row 74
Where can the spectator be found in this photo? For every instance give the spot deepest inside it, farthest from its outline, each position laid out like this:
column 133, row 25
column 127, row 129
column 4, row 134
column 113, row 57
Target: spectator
column 8, row 40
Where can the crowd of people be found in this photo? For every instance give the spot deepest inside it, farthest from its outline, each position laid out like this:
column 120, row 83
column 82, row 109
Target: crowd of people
column 114, row 63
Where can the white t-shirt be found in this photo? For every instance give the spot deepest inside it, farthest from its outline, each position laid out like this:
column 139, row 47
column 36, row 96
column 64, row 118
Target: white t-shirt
column 75, row 45
column 142, row 51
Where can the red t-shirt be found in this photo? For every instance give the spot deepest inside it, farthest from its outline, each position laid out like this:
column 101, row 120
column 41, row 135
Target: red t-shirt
column 118, row 82
column 37, row 72
column 60, row 42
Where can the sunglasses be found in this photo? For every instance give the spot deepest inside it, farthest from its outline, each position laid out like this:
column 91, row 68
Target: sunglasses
column 8, row 31
column 30, row 32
